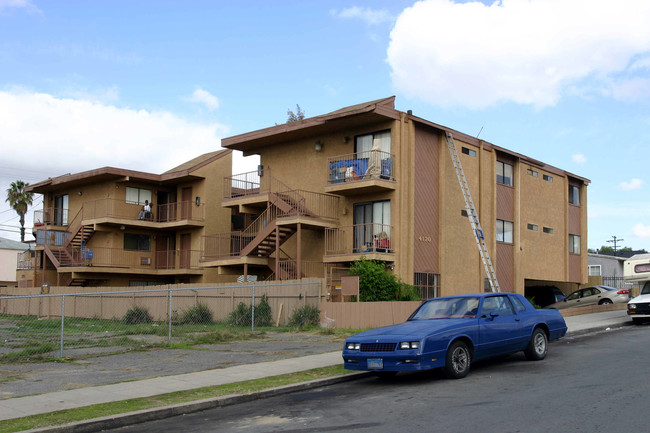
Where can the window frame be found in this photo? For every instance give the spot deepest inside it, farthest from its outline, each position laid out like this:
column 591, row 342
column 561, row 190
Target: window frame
column 468, row 151
column 142, row 242
column 574, row 244
column 502, row 169
column 598, row 267
column 141, row 198
column 574, row 195
column 502, row 232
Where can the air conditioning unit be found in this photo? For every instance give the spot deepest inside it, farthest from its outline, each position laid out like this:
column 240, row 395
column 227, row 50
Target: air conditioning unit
column 145, row 261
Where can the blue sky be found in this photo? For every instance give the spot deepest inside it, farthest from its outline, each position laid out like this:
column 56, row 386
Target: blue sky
column 147, row 85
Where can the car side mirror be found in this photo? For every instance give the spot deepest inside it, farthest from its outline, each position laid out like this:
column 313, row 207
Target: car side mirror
column 494, row 314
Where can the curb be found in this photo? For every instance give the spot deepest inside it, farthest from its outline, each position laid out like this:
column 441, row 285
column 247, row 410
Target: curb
column 130, row 418
column 597, row 329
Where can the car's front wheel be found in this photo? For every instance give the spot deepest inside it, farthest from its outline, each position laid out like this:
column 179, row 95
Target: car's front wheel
column 457, row 361
column 538, row 346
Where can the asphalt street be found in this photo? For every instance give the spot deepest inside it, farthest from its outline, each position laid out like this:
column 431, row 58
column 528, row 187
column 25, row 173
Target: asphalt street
column 591, row 383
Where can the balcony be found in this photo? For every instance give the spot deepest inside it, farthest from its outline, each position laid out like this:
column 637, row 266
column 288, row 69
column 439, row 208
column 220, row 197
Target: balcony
column 349, row 243
column 118, row 260
column 250, row 189
column 361, row 173
column 118, row 212
column 51, row 216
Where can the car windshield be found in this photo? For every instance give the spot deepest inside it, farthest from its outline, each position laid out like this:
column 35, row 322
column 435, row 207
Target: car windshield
column 448, row 308
column 646, row 289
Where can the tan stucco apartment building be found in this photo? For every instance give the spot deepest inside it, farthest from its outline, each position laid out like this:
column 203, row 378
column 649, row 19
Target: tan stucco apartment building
column 369, row 180
column 94, row 229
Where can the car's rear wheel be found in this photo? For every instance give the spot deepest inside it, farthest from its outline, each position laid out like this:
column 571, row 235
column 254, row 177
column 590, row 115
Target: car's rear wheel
column 457, row 361
column 606, row 302
column 537, row 346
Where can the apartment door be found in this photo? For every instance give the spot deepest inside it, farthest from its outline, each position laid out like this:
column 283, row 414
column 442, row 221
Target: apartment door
column 61, row 210
column 163, row 207
column 165, row 249
column 371, row 226
column 186, row 250
column 186, row 203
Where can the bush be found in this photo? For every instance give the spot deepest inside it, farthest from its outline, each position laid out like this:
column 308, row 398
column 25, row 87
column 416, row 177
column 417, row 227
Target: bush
column 377, row 284
column 306, row 315
column 136, row 315
column 199, row 314
column 241, row 316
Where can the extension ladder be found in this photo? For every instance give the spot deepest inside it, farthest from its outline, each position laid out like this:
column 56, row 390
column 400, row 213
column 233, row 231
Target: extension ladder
column 473, row 217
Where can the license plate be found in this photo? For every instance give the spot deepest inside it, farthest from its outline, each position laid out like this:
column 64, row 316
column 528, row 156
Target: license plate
column 375, row 364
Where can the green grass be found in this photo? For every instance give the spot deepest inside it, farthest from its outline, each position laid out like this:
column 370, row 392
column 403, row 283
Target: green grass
column 120, row 407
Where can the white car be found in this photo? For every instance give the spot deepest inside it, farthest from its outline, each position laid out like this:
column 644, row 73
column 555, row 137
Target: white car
column 639, row 308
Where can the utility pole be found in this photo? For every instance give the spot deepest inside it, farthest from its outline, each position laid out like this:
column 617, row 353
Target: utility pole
column 614, row 240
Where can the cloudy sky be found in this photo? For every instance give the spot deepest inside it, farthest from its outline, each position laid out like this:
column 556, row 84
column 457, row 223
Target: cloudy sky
column 147, row 85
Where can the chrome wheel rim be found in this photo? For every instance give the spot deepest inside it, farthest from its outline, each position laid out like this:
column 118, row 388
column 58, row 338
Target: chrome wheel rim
column 540, row 343
column 459, row 359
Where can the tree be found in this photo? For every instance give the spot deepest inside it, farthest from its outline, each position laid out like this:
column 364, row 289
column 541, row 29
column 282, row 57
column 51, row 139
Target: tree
column 19, row 200
column 294, row 117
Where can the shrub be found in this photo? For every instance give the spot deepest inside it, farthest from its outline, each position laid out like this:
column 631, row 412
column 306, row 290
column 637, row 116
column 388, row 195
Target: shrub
column 306, row 315
column 136, row 315
column 199, row 314
column 263, row 313
column 377, row 284
column 241, row 316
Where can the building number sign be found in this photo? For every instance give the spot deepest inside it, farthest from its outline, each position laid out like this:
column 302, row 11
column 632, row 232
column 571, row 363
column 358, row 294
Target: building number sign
column 424, row 238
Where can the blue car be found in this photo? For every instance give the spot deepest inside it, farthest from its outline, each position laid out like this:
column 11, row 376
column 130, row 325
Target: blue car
column 451, row 332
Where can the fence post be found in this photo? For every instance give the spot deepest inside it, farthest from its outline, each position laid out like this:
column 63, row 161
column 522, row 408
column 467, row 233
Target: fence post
column 62, row 323
column 169, row 319
column 253, row 311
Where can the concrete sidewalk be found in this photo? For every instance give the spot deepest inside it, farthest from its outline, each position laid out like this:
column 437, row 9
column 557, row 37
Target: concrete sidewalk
column 54, row 401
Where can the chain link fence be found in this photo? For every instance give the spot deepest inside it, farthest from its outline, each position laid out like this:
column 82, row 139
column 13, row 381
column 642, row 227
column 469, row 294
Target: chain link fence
column 33, row 326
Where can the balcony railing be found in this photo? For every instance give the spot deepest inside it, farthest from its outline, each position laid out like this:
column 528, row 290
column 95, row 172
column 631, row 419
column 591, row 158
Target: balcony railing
column 51, row 216
column 251, row 183
column 355, row 167
column 310, row 204
column 170, row 212
column 53, row 238
column 120, row 258
column 359, row 239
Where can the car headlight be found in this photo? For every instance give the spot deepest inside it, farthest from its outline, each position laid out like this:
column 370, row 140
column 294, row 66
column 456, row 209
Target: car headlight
column 409, row 345
column 631, row 306
column 353, row 346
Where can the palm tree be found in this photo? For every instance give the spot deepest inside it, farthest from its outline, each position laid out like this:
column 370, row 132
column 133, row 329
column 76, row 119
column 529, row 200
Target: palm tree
column 19, row 199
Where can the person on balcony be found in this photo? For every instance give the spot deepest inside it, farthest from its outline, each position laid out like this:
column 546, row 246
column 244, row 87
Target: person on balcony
column 145, row 213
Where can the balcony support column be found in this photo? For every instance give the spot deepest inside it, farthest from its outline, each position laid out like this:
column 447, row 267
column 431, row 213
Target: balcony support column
column 277, row 251
column 299, row 253
column 245, row 272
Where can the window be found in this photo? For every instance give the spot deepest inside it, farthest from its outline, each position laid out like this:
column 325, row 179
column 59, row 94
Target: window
column 574, row 244
column 504, row 173
column 364, row 143
column 61, row 203
column 548, row 178
column 372, row 226
column 519, row 306
column 594, row 270
column 548, row 230
column 137, row 195
column 533, row 227
column 427, row 284
column 135, row 242
column 498, row 304
column 468, row 151
column 533, row 173
column 574, row 195
column 504, row 231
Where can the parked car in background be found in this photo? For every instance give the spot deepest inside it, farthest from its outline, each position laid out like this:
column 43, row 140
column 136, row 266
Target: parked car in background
column 542, row 296
column 451, row 332
column 639, row 307
column 595, row 295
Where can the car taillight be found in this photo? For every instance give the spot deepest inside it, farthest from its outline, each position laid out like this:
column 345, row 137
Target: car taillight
column 623, row 292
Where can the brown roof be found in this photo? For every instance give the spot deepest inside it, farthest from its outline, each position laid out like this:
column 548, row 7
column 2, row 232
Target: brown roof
column 178, row 174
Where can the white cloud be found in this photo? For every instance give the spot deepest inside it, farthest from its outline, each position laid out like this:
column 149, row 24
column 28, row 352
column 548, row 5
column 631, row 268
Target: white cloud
column 641, row 231
column 204, row 97
column 523, row 51
column 19, row 4
column 368, row 15
column 579, row 158
column 632, row 185
column 60, row 135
